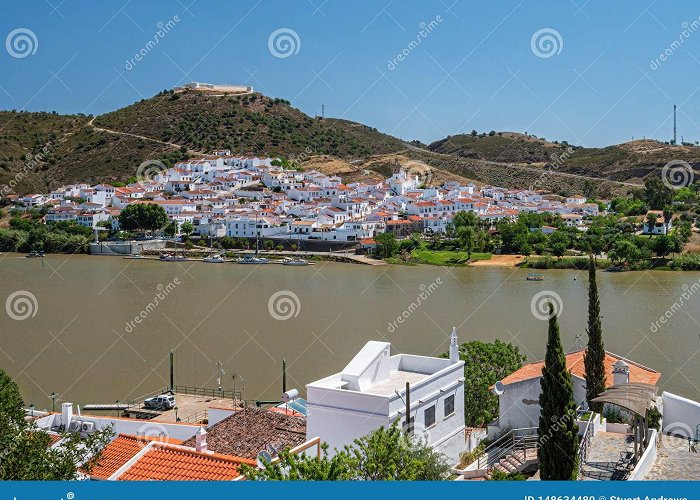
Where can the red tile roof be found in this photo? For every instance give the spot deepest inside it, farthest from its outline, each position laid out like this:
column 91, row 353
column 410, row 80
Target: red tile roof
column 574, row 362
column 120, row 451
column 175, row 463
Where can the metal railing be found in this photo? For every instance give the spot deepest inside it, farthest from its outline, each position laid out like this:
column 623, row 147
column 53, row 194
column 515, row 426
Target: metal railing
column 585, row 442
column 201, row 391
column 197, row 418
column 508, row 444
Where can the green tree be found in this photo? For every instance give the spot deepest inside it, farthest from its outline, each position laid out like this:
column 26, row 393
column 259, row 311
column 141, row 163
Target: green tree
column 187, row 228
column 557, row 431
column 387, row 245
column 25, row 453
column 300, row 467
column 594, row 357
column 485, row 363
column 383, row 455
column 390, row 454
column 656, row 194
column 171, row 229
column 142, row 217
column 466, row 236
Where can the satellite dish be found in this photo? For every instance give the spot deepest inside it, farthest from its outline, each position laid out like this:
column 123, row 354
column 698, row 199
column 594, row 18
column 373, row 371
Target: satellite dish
column 263, row 458
column 290, row 395
column 499, row 388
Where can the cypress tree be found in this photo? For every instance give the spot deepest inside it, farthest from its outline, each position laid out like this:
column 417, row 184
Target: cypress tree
column 557, row 431
column 594, row 357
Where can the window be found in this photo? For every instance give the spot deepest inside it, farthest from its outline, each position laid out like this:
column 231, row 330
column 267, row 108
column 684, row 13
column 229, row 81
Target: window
column 449, row 405
column 430, row 417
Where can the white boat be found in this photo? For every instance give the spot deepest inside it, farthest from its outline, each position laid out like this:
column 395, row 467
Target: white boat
column 253, row 260
column 295, row 262
column 135, row 256
column 214, row 259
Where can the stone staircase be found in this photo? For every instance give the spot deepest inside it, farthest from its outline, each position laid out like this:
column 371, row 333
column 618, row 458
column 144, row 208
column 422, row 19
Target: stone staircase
column 512, row 462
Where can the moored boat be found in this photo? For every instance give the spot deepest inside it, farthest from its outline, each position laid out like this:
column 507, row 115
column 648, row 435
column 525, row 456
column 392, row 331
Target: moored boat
column 535, row 277
column 214, row 259
column 295, row 262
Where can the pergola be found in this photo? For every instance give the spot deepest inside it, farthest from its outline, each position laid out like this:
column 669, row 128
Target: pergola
column 638, row 399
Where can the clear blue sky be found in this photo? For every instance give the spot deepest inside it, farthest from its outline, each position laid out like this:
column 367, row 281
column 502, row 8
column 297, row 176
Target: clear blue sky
column 476, row 69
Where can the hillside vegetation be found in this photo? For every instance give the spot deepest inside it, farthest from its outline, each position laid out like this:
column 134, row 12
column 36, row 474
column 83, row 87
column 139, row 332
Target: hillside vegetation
column 40, row 151
column 248, row 123
column 630, row 161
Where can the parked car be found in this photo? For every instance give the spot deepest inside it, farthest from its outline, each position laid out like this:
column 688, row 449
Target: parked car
column 162, row 402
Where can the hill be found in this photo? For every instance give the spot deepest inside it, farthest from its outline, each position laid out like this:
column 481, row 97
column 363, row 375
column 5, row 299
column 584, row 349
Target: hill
column 627, row 162
column 174, row 125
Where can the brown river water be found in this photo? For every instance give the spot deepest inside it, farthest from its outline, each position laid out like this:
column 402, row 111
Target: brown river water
column 97, row 329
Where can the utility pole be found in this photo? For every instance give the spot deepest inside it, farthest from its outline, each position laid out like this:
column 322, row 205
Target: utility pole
column 172, row 371
column 284, row 375
column 408, row 424
column 674, row 124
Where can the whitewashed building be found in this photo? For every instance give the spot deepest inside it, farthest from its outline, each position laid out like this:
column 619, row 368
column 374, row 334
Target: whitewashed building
column 370, row 392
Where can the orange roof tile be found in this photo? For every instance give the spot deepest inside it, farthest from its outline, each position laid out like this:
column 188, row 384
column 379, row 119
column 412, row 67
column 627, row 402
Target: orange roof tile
column 120, row 451
column 175, row 463
column 574, row 362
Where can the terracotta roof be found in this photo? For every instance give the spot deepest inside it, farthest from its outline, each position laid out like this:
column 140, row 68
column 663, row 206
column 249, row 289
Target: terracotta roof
column 574, row 361
column 175, row 463
column 250, row 430
column 120, row 451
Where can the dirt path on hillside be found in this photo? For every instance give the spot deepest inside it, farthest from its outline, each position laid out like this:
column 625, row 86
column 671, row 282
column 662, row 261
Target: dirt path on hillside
column 137, row 136
column 521, row 167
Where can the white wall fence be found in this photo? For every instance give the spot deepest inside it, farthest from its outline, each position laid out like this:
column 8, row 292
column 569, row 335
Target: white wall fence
column 681, row 416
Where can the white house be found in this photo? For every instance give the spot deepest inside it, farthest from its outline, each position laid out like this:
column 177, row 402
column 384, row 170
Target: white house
column 518, row 393
column 662, row 225
column 370, row 392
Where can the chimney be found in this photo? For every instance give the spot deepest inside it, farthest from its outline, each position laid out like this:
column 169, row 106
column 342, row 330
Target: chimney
column 621, row 372
column 201, row 440
column 454, row 346
column 66, row 415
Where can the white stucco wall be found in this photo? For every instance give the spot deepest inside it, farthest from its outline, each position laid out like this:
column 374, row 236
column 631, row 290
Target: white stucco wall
column 340, row 416
column 681, row 416
column 519, row 406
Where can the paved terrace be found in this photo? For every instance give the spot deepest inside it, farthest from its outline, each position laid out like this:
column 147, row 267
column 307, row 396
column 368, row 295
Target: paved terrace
column 674, row 461
column 603, row 462
column 192, row 408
